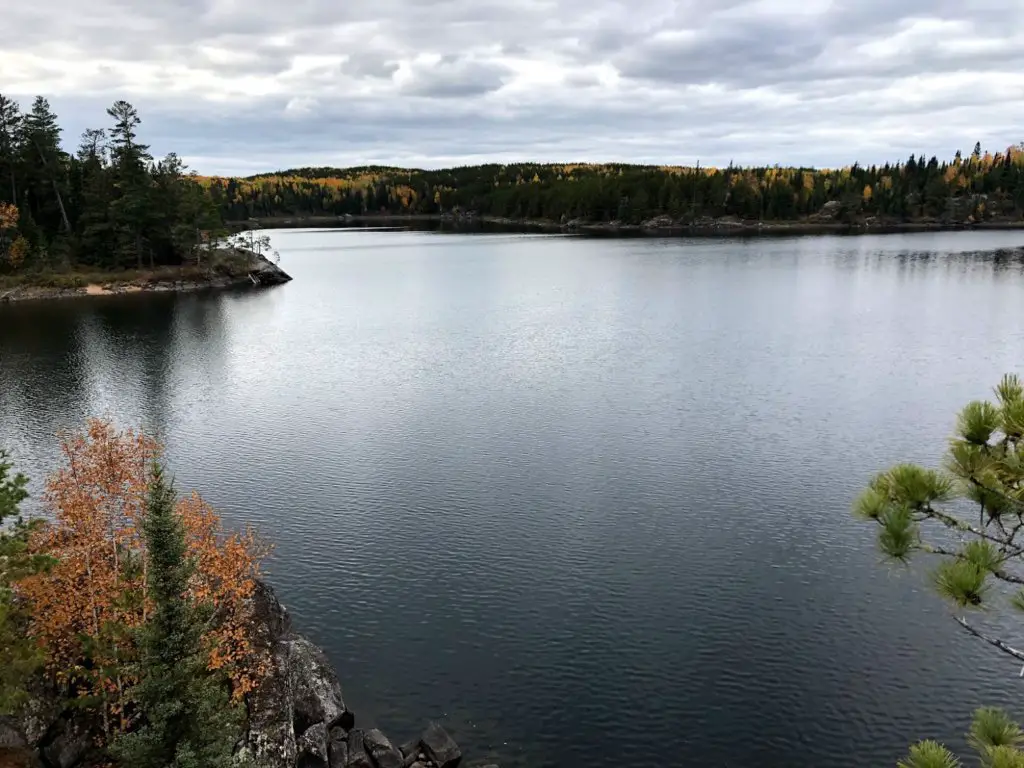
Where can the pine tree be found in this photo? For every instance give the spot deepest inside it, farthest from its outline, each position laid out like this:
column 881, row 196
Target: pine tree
column 41, row 150
column 131, row 207
column 10, row 136
column 982, row 563
column 187, row 719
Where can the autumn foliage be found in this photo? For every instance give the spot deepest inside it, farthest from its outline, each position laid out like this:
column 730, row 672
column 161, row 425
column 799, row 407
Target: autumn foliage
column 85, row 607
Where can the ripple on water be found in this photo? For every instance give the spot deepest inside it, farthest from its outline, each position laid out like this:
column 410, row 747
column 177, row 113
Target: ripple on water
column 586, row 500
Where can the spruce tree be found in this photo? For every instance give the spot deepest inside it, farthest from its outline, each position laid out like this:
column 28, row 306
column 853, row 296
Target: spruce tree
column 21, row 656
column 10, row 137
column 187, row 719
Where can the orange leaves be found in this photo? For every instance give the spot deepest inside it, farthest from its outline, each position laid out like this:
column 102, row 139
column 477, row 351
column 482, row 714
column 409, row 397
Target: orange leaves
column 84, row 608
column 17, row 252
column 8, row 216
column 226, row 571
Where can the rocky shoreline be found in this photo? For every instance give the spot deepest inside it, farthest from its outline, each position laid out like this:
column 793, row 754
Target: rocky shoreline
column 824, row 223
column 297, row 718
column 229, row 269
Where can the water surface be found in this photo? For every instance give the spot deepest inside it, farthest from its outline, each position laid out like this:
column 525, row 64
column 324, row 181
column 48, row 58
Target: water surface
column 585, row 500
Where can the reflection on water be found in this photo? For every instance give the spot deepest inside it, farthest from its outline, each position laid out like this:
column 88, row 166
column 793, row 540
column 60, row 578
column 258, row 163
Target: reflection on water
column 584, row 499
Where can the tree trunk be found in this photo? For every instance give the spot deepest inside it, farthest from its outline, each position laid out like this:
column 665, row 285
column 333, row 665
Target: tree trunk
column 56, row 189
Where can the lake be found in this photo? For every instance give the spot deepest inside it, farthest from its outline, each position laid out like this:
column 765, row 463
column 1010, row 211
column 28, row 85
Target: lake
column 584, row 500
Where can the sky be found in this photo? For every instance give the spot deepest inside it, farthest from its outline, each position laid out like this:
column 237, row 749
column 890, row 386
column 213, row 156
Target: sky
column 246, row 86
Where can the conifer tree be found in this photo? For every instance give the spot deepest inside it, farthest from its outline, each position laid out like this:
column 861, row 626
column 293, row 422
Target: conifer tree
column 187, row 720
column 980, row 556
column 21, row 657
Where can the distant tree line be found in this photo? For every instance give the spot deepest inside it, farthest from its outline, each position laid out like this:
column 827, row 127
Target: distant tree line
column 109, row 205
column 979, row 186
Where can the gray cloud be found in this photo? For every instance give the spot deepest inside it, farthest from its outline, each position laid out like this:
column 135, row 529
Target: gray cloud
column 238, row 86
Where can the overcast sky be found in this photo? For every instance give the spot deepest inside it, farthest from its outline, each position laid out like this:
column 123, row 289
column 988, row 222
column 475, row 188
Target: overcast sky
column 241, row 86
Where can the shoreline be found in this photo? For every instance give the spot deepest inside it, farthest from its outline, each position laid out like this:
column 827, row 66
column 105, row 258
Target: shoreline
column 661, row 226
column 235, row 269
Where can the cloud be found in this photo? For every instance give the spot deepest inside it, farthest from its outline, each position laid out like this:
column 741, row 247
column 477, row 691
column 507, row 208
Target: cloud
column 249, row 85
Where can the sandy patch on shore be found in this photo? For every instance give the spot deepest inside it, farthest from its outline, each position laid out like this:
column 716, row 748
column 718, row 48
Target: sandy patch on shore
column 92, row 289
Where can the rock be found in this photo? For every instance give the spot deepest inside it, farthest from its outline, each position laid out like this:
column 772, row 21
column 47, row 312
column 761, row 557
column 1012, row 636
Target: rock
column 271, row 621
column 316, row 692
column 381, row 750
column 357, row 754
column 418, row 764
column 300, row 691
column 440, row 747
column 663, row 221
column 266, row 271
column 312, row 747
column 830, row 209
column 410, row 748
column 271, row 740
column 11, row 736
column 69, row 746
column 337, row 751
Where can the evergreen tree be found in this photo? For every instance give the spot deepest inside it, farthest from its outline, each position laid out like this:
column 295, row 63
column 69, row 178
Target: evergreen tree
column 131, row 207
column 10, row 136
column 21, row 657
column 42, row 152
column 982, row 562
column 187, row 720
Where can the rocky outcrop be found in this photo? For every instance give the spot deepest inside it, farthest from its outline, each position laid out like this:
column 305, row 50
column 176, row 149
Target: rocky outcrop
column 297, row 718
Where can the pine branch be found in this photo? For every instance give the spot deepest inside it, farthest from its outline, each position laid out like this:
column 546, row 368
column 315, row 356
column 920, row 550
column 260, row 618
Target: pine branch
column 1019, row 655
column 1010, row 578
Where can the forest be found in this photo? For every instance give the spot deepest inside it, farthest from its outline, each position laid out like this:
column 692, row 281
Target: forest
column 107, row 205
column 110, row 205
column 980, row 186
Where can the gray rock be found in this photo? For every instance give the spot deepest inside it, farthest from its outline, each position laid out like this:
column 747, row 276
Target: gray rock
column 410, row 748
column 69, row 746
column 316, row 692
column 357, row 754
column 418, row 764
column 11, row 736
column 300, row 691
column 830, row 209
column 271, row 741
column 337, row 752
column 382, row 751
column 312, row 747
column 440, row 747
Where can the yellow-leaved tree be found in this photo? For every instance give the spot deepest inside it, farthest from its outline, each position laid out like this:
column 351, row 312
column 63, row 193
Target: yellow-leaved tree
column 86, row 607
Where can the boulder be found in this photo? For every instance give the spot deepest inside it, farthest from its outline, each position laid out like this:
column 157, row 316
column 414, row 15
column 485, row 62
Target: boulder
column 69, row 745
column 316, row 691
column 11, row 736
column 410, row 748
column 271, row 739
column 358, row 757
column 663, row 221
column 337, row 749
column 440, row 747
column 312, row 747
column 266, row 271
column 382, row 752
column 301, row 692
column 271, row 621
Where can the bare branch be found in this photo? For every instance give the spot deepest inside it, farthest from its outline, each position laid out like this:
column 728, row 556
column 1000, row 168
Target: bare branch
column 1019, row 655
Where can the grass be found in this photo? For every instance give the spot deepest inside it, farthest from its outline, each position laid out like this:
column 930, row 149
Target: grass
column 70, row 279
